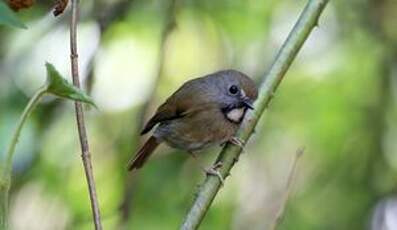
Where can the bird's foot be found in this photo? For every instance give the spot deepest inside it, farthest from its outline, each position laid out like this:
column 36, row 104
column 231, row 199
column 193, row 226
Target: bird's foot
column 237, row 141
column 213, row 170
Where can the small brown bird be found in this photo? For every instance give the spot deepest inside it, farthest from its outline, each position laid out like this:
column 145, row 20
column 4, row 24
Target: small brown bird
column 203, row 112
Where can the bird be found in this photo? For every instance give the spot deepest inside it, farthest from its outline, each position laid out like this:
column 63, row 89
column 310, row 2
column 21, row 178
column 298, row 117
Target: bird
column 203, row 112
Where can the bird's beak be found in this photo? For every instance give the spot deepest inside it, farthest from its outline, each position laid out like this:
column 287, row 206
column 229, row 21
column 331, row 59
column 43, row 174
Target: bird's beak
column 247, row 102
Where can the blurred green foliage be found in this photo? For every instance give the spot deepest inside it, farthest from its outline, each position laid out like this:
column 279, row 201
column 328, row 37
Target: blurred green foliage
column 9, row 18
column 338, row 100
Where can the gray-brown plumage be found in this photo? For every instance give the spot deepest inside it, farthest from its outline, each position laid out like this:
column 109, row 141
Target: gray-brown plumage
column 203, row 112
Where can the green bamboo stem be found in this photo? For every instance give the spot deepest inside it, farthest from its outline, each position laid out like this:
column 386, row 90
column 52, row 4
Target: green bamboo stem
column 230, row 153
column 5, row 182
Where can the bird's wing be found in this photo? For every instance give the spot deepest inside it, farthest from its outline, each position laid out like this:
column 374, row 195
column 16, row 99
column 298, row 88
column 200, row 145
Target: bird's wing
column 163, row 113
column 186, row 100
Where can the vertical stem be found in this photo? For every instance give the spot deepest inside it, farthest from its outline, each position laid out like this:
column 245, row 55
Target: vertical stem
column 86, row 157
column 230, row 154
column 5, row 182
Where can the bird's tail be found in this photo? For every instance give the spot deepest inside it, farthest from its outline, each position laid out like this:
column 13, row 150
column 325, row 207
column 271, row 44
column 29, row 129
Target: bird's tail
column 143, row 154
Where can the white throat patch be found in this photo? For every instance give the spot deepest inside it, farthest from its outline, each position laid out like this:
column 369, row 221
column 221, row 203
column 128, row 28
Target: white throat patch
column 235, row 114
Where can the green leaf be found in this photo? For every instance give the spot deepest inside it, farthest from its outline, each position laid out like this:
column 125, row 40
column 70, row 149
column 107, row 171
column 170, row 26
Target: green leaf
column 9, row 18
column 58, row 86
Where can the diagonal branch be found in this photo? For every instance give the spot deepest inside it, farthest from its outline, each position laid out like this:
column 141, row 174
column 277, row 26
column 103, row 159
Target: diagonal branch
column 80, row 118
column 288, row 188
column 230, row 153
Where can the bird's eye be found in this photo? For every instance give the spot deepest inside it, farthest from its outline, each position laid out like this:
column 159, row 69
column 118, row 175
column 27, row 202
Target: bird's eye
column 233, row 89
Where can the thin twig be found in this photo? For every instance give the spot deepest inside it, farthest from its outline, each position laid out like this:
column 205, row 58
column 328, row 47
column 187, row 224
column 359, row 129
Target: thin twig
column 288, row 189
column 80, row 118
column 230, row 153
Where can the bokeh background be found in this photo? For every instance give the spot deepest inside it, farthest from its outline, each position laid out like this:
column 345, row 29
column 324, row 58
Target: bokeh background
column 338, row 101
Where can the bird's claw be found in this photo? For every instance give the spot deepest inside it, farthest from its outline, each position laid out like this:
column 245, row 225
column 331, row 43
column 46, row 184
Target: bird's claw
column 217, row 165
column 213, row 170
column 237, row 141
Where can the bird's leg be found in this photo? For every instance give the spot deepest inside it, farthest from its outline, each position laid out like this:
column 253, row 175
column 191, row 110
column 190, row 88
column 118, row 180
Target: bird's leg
column 237, row 141
column 213, row 170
